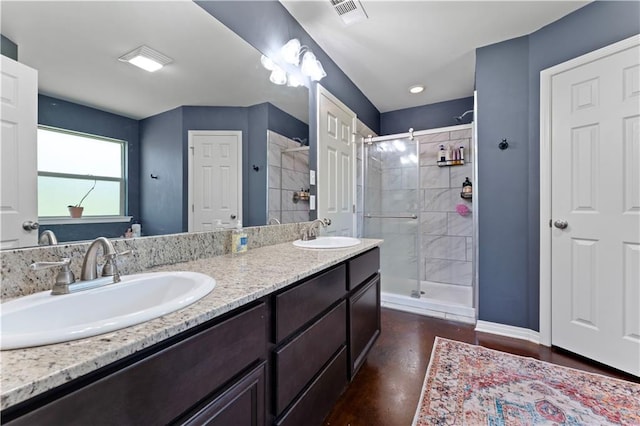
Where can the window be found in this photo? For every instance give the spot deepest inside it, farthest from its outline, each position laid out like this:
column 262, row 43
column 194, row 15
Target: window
column 68, row 165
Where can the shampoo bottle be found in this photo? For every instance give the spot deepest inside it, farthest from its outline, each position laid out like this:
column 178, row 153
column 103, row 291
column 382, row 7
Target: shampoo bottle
column 238, row 240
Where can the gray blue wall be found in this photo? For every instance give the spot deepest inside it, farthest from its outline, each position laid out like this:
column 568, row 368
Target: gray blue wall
column 8, row 48
column 71, row 116
column 432, row 116
column 508, row 86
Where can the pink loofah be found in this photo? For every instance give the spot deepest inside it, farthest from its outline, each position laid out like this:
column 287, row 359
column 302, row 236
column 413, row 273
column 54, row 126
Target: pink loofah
column 462, row 210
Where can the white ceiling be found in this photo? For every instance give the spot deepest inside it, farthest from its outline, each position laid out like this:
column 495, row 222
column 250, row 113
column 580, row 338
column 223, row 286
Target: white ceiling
column 404, row 43
column 74, row 45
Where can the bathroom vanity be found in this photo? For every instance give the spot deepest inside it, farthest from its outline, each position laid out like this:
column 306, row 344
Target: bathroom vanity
column 276, row 342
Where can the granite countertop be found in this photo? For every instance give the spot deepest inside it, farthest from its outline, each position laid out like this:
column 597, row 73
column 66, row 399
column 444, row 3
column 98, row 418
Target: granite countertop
column 239, row 280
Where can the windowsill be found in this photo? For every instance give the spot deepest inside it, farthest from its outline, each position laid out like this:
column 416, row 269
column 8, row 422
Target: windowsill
column 61, row 220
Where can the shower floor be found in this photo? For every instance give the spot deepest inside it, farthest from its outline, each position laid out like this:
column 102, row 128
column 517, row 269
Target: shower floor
column 438, row 300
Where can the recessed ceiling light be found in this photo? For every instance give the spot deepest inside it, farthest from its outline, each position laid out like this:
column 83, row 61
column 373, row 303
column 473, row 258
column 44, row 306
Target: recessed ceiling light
column 418, row 88
column 146, row 58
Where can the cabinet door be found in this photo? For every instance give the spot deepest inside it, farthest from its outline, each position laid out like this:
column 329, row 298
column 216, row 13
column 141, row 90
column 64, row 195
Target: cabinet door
column 362, row 267
column 298, row 305
column 364, row 323
column 166, row 384
column 242, row 404
column 299, row 360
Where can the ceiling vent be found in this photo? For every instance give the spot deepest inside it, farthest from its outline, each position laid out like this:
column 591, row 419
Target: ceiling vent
column 350, row 11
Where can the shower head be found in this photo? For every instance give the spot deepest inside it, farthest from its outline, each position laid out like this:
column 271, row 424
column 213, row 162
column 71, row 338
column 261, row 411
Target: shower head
column 460, row 117
column 302, row 142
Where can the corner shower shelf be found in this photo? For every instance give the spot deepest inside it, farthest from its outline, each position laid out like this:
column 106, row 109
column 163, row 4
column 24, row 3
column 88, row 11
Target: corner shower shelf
column 450, row 163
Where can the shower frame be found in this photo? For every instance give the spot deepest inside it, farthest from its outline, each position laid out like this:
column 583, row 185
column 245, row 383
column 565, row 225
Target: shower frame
column 411, row 134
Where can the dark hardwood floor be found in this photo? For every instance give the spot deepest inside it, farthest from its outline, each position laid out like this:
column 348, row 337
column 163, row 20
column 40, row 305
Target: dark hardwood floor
column 386, row 390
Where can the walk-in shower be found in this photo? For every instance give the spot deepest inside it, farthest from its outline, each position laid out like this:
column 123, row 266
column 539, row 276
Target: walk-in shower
column 288, row 179
column 413, row 201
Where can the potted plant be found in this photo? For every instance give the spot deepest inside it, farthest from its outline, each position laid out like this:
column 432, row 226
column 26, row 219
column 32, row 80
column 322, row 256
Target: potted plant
column 76, row 211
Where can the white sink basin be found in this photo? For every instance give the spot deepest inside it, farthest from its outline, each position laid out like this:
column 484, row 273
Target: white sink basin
column 327, row 243
column 42, row 319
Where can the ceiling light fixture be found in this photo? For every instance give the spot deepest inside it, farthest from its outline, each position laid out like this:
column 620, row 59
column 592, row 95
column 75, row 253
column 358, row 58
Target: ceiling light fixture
column 146, row 58
column 418, row 88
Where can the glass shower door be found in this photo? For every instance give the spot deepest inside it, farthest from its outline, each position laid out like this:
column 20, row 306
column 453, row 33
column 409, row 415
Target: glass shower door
column 391, row 207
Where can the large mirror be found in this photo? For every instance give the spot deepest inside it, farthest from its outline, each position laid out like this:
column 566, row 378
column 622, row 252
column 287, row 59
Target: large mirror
column 214, row 82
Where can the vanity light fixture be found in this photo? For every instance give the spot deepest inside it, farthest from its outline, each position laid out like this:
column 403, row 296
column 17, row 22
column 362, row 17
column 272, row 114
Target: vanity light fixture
column 418, row 88
column 146, row 58
column 290, row 53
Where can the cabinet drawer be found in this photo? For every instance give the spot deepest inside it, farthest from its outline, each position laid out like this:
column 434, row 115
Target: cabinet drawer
column 299, row 360
column 242, row 404
column 362, row 267
column 316, row 402
column 364, row 323
column 300, row 304
column 164, row 385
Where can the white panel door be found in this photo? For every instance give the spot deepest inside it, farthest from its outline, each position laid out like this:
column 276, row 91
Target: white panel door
column 216, row 179
column 595, row 206
column 336, row 164
column 18, row 173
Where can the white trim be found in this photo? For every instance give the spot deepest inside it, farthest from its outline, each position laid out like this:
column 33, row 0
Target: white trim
column 508, row 331
column 545, row 171
column 61, row 220
column 475, row 209
column 191, row 133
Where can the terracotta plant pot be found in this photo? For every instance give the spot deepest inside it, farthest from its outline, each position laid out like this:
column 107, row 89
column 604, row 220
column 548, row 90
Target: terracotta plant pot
column 75, row 212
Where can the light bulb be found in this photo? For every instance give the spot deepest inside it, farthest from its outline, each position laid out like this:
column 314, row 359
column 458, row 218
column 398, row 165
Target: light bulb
column 278, row 76
column 291, row 51
column 294, row 81
column 267, row 63
column 308, row 64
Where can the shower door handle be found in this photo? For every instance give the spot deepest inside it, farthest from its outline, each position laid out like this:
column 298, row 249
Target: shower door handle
column 369, row 216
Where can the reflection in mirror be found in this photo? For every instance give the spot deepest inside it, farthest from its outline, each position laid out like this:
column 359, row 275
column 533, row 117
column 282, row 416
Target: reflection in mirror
column 214, row 82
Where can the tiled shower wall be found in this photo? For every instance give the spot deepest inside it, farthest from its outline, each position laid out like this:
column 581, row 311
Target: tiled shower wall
column 288, row 172
column 447, row 237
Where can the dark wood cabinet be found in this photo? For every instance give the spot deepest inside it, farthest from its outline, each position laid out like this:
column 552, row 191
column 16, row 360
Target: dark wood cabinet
column 364, row 322
column 164, row 384
column 283, row 360
column 298, row 361
column 242, row 404
column 364, row 307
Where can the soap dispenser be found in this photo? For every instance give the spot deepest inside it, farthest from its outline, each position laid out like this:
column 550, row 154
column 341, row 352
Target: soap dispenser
column 239, row 240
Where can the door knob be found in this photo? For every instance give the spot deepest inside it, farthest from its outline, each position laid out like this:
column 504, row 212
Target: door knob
column 29, row 225
column 560, row 224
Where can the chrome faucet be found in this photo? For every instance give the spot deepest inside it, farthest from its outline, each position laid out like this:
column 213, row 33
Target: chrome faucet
column 47, row 238
column 89, row 269
column 65, row 280
column 311, row 232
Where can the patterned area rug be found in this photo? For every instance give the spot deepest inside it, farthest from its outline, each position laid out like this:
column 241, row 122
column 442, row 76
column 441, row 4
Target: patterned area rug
column 472, row 385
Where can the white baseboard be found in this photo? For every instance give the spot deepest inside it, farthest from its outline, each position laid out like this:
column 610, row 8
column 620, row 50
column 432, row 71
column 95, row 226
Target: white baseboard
column 508, row 331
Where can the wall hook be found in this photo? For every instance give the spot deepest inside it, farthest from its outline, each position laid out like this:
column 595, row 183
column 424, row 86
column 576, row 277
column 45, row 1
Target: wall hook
column 256, row 168
column 154, row 176
column 503, row 145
